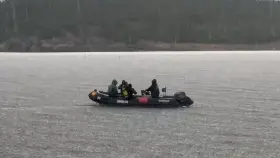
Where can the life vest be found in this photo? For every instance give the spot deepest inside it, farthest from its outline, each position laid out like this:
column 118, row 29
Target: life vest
column 124, row 92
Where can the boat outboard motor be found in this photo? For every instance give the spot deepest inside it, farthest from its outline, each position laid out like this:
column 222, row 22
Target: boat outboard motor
column 182, row 98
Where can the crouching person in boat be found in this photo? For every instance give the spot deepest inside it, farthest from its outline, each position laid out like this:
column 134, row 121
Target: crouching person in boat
column 154, row 89
column 112, row 89
column 130, row 91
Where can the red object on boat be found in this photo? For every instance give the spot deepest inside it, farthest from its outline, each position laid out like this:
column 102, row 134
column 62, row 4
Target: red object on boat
column 143, row 100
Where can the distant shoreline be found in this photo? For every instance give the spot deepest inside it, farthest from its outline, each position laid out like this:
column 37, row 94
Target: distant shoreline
column 147, row 53
column 97, row 44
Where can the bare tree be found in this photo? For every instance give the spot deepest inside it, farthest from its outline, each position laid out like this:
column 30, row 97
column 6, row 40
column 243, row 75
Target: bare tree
column 79, row 7
column 15, row 25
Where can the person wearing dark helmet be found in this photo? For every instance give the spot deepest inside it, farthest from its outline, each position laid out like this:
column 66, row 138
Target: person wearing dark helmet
column 123, row 88
column 154, row 89
column 130, row 91
column 122, row 85
column 112, row 89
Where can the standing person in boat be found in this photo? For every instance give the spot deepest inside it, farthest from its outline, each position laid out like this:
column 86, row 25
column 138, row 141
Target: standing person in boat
column 154, row 89
column 130, row 91
column 112, row 89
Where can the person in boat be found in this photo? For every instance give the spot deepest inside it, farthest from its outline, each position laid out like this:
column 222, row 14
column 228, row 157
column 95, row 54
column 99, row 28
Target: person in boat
column 112, row 89
column 123, row 84
column 123, row 89
column 154, row 89
column 130, row 91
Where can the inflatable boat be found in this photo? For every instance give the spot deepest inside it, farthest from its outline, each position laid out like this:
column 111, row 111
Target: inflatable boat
column 179, row 99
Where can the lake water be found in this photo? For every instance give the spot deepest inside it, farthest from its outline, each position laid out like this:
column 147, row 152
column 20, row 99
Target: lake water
column 45, row 110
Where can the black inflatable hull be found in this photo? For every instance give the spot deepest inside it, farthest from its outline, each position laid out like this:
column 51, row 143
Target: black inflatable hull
column 139, row 101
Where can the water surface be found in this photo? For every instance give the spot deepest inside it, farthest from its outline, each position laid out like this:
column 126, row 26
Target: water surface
column 236, row 111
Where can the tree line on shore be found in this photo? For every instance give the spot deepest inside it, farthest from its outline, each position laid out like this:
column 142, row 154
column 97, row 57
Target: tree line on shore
column 176, row 21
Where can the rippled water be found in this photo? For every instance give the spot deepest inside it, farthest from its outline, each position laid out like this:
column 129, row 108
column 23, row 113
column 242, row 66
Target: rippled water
column 236, row 111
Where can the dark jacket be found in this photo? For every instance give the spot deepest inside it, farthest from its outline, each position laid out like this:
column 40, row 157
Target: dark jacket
column 122, row 85
column 154, row 90
column 130, row 92
column 112, row 89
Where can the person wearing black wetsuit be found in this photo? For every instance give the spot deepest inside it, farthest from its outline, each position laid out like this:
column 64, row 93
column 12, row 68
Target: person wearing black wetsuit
column 124, row 83
column 130, row 91
column 123, row 89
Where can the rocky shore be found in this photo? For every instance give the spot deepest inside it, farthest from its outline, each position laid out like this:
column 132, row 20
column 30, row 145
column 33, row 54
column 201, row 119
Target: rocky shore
column 71, row 43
